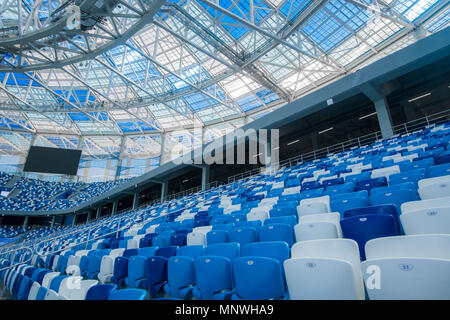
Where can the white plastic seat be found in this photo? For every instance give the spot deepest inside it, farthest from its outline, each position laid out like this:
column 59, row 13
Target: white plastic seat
column 33, row 291
column 432, row 188
column 260, row 215
column 315, row 230
column 73, row 265
column 132, row 244
column 48, row 279
column 75, row 288
column 196, row 238
column 203, row 229
column 52, row 295
column 385, row 172
column 332, row 217
column 81, row 253
column 407, row 278
column 325, row 269
column 314, row 206
column 292, row 190
column 408, row 267
column 107, row 265
column 412, row 246
column 426, row 216
column 55, row 262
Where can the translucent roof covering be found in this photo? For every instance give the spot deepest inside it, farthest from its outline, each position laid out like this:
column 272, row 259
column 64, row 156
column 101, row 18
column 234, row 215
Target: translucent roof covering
column 129, row 85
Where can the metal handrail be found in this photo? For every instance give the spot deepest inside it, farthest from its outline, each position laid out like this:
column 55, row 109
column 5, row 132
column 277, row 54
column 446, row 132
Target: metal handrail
column 403, row 128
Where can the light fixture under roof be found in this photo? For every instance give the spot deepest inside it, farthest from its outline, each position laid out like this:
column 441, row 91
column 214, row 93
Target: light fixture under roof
column 420, row 97
column 368, row 115
column 292, row 142
column 326, row 130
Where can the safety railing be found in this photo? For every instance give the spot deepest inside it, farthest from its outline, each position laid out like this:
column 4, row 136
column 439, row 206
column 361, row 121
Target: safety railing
column 405, row 128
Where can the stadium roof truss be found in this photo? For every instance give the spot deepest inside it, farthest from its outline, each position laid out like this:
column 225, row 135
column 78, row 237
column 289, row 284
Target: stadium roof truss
column 140, row 75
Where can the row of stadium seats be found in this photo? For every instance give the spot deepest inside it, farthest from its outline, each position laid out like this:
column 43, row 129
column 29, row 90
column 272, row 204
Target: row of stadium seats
column 312, row 269
column 373, row 219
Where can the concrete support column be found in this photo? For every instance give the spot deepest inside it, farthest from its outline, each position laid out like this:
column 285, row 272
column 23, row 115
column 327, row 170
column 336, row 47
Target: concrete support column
column 53, row 221
column 135, row 200
column 382, row 109
column 99, row 212
column 89, row 216
column 74, row 220
column 206, row 169
column 164, row 190
column 384, row 118
column 114, row 207
column 25, row 221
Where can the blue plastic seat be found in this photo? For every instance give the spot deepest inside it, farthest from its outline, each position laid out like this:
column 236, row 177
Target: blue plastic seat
column 94, row 267
column 416, row 164
column 277, row 232
column 243, row 235
column 120, row 271
column 340, row 188
column 283, row 211
column 147, row 251
column 370, row 184
column 130, row 252
column 180, row 277
column 217, row 236
column 439, row 170
column 230, row 250
column 341, row 205
column 155, row 274
column 257, row 278
column 178, row 240
column 24, row 288
column 249, row 224
column 136, row 276
column 357, row 177
column 278, row 250
column 225, row 226
column 100, row 291
column 401, row 186
column 290, row 220
column 395, row 197
column 411, row 176
column 332, row 182
column 214, row 278
column 190, row 251
column 381, row 209
column 166, row 252
column 42, row 292
column 128, row 294
column 367, row 227
column 56, row 282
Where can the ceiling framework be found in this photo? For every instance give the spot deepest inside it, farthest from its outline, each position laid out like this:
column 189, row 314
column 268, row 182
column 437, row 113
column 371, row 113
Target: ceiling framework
column 145, row 73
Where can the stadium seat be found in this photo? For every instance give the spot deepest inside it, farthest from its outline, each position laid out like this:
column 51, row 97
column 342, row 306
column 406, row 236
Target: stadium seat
column 128, row 294
column 257, row 278
column 408, row 268
column 434, row 187
column 326, row 270
column 214, row 279
column 426, row 216
column 243, row 235
column 180, row 277
column 100, row 291
column 155, row 274
column 277, row 232
column 367, row 227
column 216, row 236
